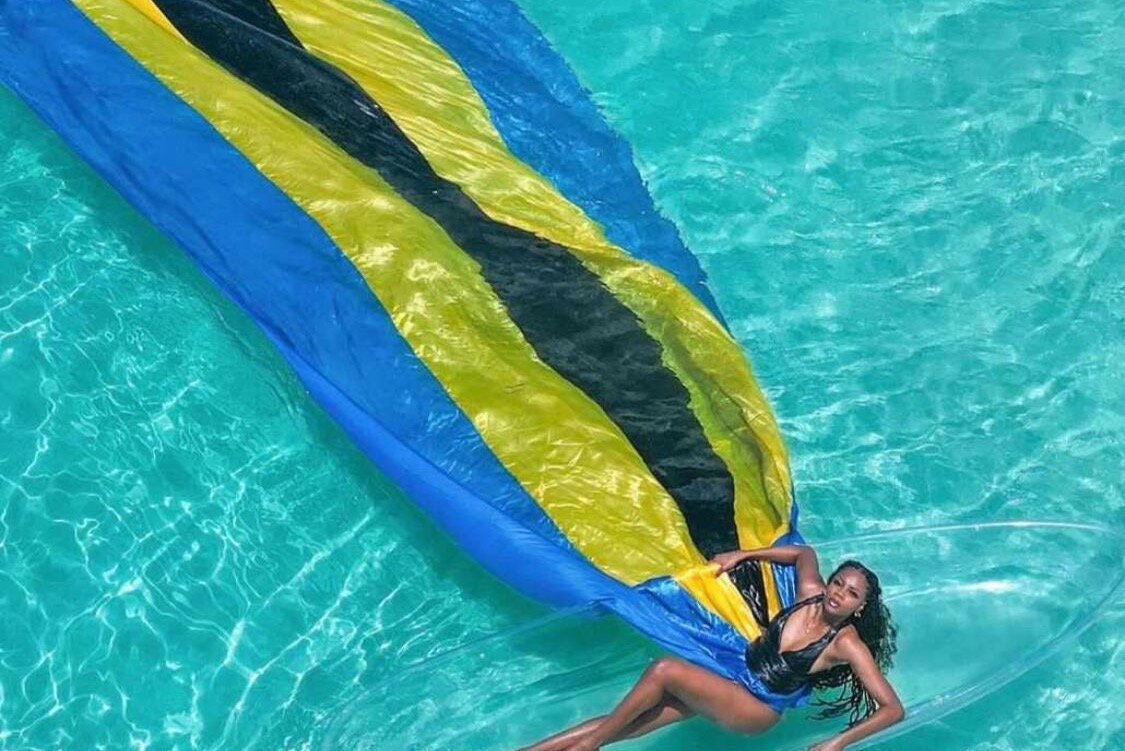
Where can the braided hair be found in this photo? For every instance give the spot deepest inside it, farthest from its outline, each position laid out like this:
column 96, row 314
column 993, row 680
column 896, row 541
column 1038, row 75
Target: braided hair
column 876, row 631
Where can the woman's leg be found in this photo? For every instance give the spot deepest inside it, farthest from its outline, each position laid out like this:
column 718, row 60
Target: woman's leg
column 567, row 738
column 668, row 711
column 701, row 692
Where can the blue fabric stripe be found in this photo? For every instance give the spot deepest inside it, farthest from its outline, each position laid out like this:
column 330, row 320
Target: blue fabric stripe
column 549, row 121
column 786, row 576
column 270, row 258
column 278, row 265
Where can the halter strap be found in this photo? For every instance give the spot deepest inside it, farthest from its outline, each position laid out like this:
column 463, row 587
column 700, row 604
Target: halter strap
column 798, row 605
column 783, row 617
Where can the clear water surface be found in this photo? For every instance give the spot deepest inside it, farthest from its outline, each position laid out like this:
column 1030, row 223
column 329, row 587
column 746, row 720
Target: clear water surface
column 911, row 215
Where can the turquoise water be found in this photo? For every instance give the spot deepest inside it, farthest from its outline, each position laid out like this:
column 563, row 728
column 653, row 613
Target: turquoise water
column 911, row 217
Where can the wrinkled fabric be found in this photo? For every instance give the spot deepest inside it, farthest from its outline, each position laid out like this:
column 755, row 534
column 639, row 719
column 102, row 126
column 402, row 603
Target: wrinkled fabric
column 458, row 259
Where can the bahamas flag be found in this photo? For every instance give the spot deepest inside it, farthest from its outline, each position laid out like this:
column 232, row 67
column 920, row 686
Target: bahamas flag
column 428, row 217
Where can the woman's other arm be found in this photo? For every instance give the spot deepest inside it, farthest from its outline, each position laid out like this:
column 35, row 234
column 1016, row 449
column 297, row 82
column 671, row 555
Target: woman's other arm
column 890, row 709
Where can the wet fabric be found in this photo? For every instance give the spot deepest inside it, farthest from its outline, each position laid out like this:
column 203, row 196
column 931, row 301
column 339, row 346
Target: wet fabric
column 443, row 239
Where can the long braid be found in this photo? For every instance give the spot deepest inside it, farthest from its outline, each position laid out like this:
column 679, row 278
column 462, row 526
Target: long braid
column 879, row 634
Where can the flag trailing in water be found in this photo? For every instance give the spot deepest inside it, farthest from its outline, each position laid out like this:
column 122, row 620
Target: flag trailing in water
column 425, row 213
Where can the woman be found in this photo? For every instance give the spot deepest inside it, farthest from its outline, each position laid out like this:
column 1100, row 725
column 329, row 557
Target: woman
column 837, row 635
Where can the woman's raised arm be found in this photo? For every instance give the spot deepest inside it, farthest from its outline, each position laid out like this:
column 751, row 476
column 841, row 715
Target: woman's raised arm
column 809, row 580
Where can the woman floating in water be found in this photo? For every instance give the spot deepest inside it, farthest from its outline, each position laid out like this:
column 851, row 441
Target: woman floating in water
column 837, row 635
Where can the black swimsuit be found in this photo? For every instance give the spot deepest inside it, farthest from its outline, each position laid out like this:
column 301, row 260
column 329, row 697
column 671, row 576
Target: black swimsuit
column 785, row 672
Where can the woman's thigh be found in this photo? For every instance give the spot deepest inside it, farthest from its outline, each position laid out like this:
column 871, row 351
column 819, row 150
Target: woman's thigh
column 724, row 702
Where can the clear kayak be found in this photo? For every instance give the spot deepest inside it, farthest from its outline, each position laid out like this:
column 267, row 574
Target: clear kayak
column 976, row 605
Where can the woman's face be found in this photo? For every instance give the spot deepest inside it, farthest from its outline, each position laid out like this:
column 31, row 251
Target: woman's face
column 846, row 593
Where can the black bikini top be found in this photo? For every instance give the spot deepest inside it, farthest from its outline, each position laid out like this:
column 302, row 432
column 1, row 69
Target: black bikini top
column 785, row 672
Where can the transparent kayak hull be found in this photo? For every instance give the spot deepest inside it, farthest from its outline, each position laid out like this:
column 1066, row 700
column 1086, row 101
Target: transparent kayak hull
column 976, row 607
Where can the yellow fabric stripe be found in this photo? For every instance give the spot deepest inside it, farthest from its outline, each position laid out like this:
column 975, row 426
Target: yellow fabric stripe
column 154, row 14
column 432, row 100
column 773, row 601
column 719, row 595
column 558, row 444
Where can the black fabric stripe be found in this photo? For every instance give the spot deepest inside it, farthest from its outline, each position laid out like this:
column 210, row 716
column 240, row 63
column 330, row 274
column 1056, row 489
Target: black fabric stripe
column 748, row 578
column 571, row 320
column 259, row 14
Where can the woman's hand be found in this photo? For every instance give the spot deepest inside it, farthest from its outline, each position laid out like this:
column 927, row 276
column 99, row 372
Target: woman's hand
column 727, row 561
column 832, row 744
